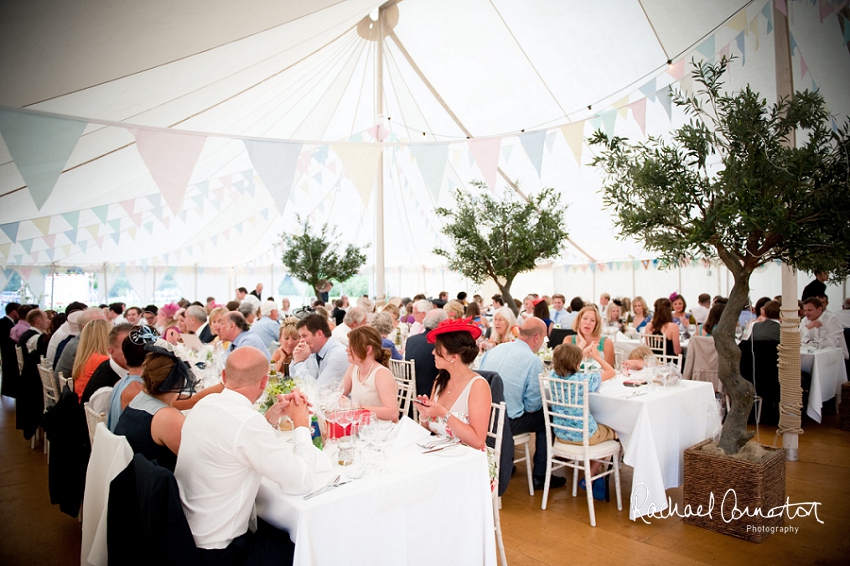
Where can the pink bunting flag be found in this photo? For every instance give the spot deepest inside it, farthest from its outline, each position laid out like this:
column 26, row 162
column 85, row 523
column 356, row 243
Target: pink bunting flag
column 826, row 9
column 677, row 70
column 128, row 205
column 803, row 67
column 639, row 113
column 380, row 133
column 486, row 155
column 170, row 157
column 782, row 6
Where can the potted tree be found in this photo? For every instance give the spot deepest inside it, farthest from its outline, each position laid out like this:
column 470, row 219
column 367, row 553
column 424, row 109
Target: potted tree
column 499, row 239
column 316, row 259
column 727, row 185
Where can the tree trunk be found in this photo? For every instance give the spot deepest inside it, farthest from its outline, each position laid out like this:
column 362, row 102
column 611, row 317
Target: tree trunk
column 505, row 290
column 740, row 391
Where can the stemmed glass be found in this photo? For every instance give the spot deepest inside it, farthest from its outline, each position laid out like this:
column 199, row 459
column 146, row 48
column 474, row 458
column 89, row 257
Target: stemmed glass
column 382, row 437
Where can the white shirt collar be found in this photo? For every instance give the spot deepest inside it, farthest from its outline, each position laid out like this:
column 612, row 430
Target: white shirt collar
column 116, row 368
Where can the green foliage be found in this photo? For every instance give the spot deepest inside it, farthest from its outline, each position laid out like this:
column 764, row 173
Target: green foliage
column 311, row 258
column 730, row 183
column 499, row 239
column 727, row 184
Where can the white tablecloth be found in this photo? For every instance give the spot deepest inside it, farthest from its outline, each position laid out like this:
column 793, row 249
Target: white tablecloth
column 430, row 509
column 828, row 374
column 655, row 427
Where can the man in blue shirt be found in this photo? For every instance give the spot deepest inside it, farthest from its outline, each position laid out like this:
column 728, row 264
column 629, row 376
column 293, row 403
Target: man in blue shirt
column 559, row 313
column 235, row 329
column 268, row 327
column 519, row 367
column 317, row 354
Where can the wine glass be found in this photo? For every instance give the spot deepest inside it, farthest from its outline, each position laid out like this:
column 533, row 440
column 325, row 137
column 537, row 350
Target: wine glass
column 382, row 438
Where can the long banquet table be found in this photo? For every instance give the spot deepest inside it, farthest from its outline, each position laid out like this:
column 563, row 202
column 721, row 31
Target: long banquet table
column 429, row 509
column 828, row 374
column 655, row 425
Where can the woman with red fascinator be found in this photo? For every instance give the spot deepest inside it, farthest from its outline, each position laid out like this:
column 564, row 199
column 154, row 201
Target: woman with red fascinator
column 460, row 399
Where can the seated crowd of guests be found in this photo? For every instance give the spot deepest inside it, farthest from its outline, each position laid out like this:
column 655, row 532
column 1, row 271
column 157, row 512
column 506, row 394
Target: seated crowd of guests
column 221, row 448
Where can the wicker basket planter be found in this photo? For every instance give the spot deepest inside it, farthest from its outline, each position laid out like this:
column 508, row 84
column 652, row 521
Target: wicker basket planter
column 756, row 485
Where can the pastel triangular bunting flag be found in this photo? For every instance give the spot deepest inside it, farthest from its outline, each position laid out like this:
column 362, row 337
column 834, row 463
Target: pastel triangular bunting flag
column 73, row 218
column 532, row 143
column 574, row 136
column 609, row 119
column 93, row 229
column 767, row 12
column 102, row 212
column 276, row 163
column 738, row 22
column 649, row 89
column 50, row 240
column 677, row 70
column 431, row 160
column 485, row 152
column 11, row 230
column 27, row 245
column 639, row 113
column 361, row 165
column 706, row 48
column 170, row 157
column 43, row 224
column 40, row 147
column 666, row 102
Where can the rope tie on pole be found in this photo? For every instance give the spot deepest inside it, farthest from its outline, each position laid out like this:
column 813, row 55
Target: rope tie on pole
column 791, row 392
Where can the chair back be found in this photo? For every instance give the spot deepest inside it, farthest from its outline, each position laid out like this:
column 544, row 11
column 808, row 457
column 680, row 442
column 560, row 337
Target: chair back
column 99, row 400
column 19, row 352
column 48, row 386
column 144, row 505
column 92, row 418
column 665, row 359
column 702, row 363
column 496, row 430
column 558, row 335
column 654, row 341
column 404, row 372
column 65, row 381
column 566, row 400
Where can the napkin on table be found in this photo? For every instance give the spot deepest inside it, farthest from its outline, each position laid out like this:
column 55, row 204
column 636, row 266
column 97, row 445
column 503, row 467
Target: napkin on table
column 407, row 432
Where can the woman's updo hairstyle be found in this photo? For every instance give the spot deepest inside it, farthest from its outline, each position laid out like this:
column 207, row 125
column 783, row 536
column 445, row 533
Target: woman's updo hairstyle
column 361, row 338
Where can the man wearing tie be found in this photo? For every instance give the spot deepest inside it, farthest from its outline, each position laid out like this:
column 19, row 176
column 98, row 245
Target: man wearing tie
column 559, row 313
column 234, row 328
column 317, row 354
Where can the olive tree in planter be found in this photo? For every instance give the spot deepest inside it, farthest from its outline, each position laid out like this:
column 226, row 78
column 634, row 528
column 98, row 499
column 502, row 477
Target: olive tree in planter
column 724, row 185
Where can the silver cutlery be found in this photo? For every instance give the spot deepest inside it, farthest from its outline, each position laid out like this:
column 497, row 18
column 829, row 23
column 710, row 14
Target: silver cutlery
column 443, row 447
column 331, row 484
column 327, row 488
column 434, row 443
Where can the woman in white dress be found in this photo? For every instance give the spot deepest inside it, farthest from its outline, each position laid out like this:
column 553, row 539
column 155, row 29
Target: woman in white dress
column 461, row 398
column 368, row 379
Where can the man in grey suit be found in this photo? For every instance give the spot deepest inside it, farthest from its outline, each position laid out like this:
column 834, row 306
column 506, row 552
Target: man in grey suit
column 768, row 329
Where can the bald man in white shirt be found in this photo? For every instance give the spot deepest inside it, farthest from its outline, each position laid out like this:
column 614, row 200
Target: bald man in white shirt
column 226, row 448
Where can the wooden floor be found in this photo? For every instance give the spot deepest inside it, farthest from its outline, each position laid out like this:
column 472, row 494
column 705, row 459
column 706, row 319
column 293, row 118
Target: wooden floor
column 37, row 533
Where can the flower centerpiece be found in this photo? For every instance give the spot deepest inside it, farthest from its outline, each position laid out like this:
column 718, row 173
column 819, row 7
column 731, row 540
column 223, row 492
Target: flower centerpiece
column 276, row 386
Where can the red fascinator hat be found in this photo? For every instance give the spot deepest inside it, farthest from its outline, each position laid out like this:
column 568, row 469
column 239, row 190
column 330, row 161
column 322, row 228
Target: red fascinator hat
column 455, row 325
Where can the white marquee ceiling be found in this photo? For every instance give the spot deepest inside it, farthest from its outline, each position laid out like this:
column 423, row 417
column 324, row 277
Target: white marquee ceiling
column 201, row 133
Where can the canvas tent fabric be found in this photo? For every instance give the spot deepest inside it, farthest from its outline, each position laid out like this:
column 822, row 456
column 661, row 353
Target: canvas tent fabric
column 139, row 135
